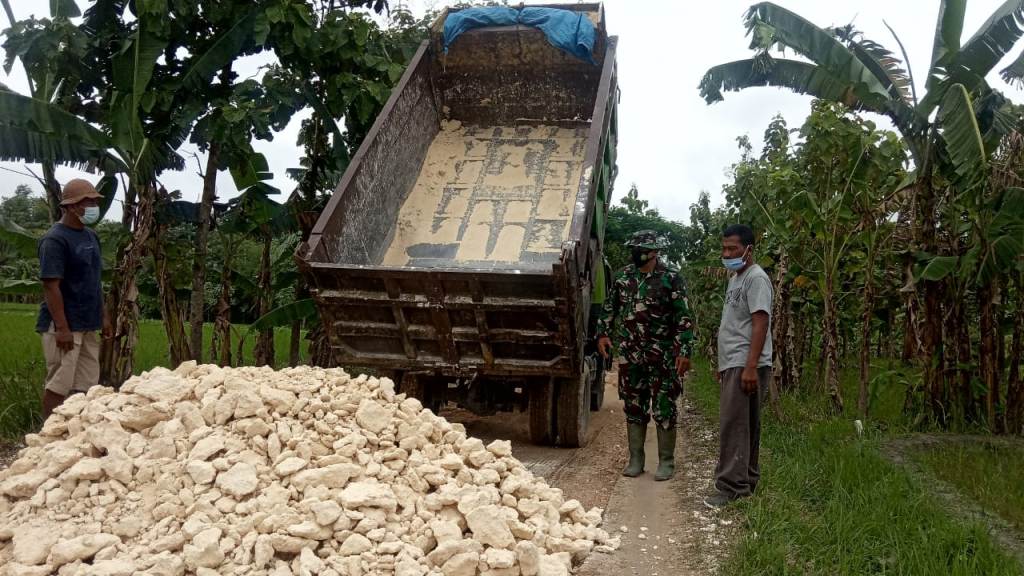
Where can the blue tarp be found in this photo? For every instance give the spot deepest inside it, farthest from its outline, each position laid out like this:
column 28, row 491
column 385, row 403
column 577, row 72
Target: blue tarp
column 570, row 31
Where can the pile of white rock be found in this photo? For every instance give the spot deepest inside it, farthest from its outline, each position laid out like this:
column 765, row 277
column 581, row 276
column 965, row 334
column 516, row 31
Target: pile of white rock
column 206, row 470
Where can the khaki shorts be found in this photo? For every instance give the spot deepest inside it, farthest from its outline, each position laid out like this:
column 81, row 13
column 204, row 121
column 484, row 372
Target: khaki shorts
column 76, row 370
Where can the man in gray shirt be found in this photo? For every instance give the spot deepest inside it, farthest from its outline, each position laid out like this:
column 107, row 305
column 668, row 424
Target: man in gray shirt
column 744, row 366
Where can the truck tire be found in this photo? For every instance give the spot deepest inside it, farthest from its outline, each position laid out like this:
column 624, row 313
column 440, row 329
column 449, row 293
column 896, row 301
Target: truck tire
column 573, row 410
column 420, row 389
column 542, row 411
column 597, row 387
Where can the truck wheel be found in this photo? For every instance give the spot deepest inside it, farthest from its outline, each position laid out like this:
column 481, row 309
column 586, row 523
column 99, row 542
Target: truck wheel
column 542, row 407
column 420, row 389
column 573, row 411
column 597, row 387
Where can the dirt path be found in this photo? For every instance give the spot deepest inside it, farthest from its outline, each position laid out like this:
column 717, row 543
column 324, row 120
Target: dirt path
column 668, row 529
column 899, row 451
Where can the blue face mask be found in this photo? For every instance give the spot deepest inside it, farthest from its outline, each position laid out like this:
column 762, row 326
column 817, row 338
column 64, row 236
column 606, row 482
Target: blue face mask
column 735, row 264
column 91, row 215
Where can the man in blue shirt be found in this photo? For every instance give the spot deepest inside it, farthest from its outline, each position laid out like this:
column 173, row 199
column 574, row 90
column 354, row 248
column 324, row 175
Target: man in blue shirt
column 72, row 310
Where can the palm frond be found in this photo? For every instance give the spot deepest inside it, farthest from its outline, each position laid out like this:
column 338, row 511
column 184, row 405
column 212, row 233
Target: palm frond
column 16, row 237
column 962, row 137
column 882, row 62
column 948, row 29
column 799, row 77
column 993, row 40
column 1014, row 73
column 33, row 130
column 771, row 25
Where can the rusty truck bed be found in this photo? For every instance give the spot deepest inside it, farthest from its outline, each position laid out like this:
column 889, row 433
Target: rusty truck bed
column 476, row 273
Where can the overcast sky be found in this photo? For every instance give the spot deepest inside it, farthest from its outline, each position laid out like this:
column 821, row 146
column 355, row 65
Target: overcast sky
column 672, row 145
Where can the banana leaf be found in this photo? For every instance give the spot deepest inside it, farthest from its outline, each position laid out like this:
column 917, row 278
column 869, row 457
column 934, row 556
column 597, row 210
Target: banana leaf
column 18, row 238
column 284, row 315
column 20, row 286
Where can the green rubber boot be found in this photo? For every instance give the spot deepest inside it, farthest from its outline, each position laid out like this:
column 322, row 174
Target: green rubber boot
column 666, row 454
column 636, row 433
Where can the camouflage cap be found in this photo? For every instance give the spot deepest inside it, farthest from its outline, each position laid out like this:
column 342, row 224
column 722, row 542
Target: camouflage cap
column 646, row 239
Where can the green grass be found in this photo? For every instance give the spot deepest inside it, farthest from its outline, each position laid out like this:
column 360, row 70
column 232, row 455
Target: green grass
column 829, row 503
column 991, row 474
column 22, row 370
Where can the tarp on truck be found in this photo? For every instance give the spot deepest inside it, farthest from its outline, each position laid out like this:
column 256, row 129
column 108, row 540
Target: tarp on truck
column 570, row 31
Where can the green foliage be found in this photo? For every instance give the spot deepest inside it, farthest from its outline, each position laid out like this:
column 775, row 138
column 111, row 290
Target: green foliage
column 848, row 192
column 26, row 209
column 635, row 215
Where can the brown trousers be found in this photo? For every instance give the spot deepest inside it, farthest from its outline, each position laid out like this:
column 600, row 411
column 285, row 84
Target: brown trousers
column 739, row 419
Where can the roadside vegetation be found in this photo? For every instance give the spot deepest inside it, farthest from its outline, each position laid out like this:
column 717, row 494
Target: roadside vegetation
column 831, row 502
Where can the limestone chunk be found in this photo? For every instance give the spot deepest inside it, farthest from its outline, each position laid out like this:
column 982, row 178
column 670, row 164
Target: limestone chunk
column 372, row 416
column 528, row 557
column 326, row 513
column 79, row 548
column 309, row 564
column 355, row 544
column 204, row 551
column 360, row 494
column 489, row 527
column 207, row 447
column 163, row 389
column 239, row 480
column 290, row 466
column 32, row 544
column 201, row 471
column 500, row 448
column 23, row 485
column 464, row 564
column 445, row 531
column 496, row 558
column 552, row 565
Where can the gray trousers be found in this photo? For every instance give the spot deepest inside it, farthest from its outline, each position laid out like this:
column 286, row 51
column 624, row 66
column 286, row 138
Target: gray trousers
column 739, row 419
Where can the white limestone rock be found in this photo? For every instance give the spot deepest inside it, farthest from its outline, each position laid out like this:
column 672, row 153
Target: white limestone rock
column 239, row 480
column 489, row 527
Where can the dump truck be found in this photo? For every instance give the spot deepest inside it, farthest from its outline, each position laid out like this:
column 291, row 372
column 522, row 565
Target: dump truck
column 462, row 252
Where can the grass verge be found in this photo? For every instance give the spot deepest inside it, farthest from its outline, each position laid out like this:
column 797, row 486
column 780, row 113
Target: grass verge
column 829, row 503
column 992, row 474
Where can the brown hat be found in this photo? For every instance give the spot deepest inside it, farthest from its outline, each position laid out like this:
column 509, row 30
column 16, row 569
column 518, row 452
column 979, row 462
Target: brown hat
column 77, row 190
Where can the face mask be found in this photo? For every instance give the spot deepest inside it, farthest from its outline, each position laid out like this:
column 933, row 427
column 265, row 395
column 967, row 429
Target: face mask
column 91, row 215
column 735, row 264
column 639, row 256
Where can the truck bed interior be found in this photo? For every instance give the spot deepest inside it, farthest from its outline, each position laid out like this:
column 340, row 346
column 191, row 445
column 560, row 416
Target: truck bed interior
column 476, row 163
column 491, row 197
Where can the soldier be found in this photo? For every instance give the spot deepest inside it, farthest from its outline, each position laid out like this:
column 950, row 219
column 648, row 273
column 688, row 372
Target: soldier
column 654, row 336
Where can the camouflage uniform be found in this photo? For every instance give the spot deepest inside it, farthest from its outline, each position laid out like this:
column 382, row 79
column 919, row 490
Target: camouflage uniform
column 654, row 328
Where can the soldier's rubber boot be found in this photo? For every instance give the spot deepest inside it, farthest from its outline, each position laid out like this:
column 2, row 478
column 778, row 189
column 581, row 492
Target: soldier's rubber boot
column 636, row 433
column 666, row 453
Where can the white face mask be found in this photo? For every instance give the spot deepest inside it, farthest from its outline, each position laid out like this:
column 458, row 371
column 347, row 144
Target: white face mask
column 91, row 215
column 736, row 264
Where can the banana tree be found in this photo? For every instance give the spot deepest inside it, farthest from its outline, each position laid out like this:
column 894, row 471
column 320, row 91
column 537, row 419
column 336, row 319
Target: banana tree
column 255, row 214
column 33, row 42
column 940, row 129
column 238, row 114
column 145, row 111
